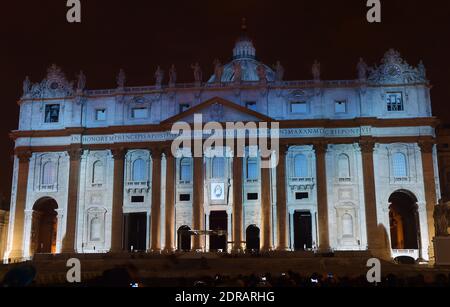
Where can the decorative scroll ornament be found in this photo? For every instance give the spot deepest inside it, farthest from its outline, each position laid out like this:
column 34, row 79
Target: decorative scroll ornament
column 395, row 70
column 55, row 85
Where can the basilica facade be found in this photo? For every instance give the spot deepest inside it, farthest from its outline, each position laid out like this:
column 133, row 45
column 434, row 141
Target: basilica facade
column 94, row 170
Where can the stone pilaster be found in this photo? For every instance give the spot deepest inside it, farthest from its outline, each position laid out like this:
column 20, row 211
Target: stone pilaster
column 430, row 191
column 237, row 203
column 281, row 199
column 155, row 224
column 21, row 198
column 117, row 206
column 197, row 203
column 170, row 202
column 266, row 212
column 68, row 242
column 322, row 199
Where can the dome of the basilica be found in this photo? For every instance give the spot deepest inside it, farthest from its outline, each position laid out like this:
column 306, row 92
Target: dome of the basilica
column 244, row 53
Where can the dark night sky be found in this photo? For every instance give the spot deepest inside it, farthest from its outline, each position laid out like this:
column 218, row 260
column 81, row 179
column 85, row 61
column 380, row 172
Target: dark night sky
column 138, row 35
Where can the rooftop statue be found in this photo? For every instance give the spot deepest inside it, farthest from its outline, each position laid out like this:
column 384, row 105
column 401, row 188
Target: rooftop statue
column 121, row 78
column 26, row 86
column 237, row 72
column 279, row 71
column 198, row 76
column 172, row 75
column 159, row 75
column 261, row 71
column 316, row 70
column 362, row 69
column 81, row 81
column 218, row 70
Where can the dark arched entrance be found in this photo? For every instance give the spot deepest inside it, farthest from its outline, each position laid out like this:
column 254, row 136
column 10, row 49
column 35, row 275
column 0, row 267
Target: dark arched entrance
column 404, row 220
column 184, row 238
column 44, row 225
column 252, row 238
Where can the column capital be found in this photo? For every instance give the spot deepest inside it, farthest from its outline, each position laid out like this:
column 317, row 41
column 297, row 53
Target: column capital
column 24, row 156
column 283, row 149
column 156, row 152
column 426, row 146
column 118, row 153
column 320, row 147
column 167, row 151
column 75, row 153
column 367, row 146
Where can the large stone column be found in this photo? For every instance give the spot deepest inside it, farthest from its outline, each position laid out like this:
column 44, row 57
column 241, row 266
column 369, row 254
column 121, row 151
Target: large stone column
column 155, row 224
column 68, row 242
column 430, row 190
column 197, row 203
column 266, row 212
column 170, row 202
column 373, row 242
column 21, row 198
column 281, row 199
column 117, row 206
column 237, row 202
column 322, row 199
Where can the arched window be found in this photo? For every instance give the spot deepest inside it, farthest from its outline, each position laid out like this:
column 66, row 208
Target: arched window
column 347, row 225
column 139, row 170
column 300, row 166
column 185, row 170
column 399, row 165
column 48, row 173
column 96, row 226
column 218, row 167
column 343, row 166
column 97, row 172
column 252, row 169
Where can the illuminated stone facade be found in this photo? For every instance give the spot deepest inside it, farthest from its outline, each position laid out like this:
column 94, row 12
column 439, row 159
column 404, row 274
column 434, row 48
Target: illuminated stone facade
column 94, row 169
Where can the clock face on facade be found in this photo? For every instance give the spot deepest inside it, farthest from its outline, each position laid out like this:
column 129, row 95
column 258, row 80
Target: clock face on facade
column 393, row 70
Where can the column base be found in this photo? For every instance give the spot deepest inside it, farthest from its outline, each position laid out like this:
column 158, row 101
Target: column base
column 16, row 255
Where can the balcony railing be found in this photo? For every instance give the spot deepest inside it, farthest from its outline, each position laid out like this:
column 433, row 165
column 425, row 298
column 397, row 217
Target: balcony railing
column 413, row 253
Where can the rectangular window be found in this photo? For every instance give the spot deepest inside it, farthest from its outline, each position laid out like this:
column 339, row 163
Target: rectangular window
column 139, row 113
column 299, row 107
column 100, row 114
column 251, row 105
column 252, row 170
column 301, row 195
column 184, row 107
column 340, row 106
column 252, row 196
column 185, row 197
column 137, row 199
column 52, row 113
column 394, row 102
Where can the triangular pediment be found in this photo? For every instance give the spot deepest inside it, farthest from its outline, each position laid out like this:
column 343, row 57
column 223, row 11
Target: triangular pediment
column 219, row 110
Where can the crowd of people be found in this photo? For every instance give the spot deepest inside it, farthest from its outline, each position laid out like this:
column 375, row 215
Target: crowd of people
column 128, row 276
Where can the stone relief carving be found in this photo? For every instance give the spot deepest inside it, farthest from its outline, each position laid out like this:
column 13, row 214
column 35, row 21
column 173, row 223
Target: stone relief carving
column 54, row 85
column 395, row 70
column 441, row 217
